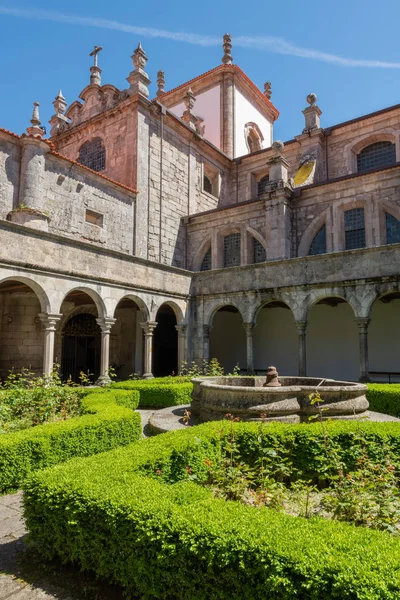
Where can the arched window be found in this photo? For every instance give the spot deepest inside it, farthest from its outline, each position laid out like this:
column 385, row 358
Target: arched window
column 318, row 245
column 392, row 229
column 207, row 185
column 253, row 136
column 259, row 254
column 379, row 154
column 354, row 228
column 206, row 262
column 232, row 250
column 262, row 184
column 93, row 155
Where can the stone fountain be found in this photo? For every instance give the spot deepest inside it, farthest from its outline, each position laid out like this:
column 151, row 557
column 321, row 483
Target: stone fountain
column 287, row 399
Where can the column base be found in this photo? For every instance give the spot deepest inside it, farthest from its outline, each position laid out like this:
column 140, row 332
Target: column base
column 147, row 376
column 103, row 380
column 364, row 379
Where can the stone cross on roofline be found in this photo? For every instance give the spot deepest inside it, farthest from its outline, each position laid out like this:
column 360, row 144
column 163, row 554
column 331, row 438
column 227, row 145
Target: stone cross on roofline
column 94, row 53
column 95, row 70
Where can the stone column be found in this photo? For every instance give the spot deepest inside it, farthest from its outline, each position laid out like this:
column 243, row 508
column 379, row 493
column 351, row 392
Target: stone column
column 138, row 365
column 302, row 332
column 206, row 342
column 362, row 324
column 105, row 324
column 182, row 344
column 228, row 115
column 249, row 328
column 50, row 323
column 148, row 328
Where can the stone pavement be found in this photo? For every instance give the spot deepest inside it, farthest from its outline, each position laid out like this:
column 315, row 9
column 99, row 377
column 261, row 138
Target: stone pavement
column 25, row 575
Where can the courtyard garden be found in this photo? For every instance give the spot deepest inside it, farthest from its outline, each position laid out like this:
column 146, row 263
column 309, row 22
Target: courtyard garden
column 223, row 509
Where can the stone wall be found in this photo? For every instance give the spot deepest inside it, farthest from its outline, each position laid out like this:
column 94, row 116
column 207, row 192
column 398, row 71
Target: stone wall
column 10, row 160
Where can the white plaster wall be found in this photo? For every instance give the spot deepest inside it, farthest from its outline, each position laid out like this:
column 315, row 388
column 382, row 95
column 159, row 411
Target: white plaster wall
column 228, row 340
column 276, row 341
column 207, row 107
column 246, row 112
column 332, row 343
column 384, row 337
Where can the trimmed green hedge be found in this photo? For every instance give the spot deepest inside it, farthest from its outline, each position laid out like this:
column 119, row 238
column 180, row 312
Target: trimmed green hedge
column 384, row 398
column 155, row 393
column 133, row 517
column 108, row 421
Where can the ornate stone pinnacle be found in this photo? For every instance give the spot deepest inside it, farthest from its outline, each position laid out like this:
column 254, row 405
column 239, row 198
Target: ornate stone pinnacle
column 268, row 89
column 139, row 58
column 311, row 99
column 95, row 78
column 189, row 100
column 160, row 83
column 35, row 130
column 278, row 147
column 60, row 103
column 227, row 47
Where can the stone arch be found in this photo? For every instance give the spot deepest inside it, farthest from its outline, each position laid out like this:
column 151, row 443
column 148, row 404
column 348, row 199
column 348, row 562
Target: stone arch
column 318, row 296
column 210, row 314
column 251, row 235
column 332, row 338
column 312, row 230
column 384, row 334
column 199, row 255
column 165, row 351
column 253, row 137
column 35, row 287
column 227, row 336
column 144, row 310
column 275, row 338
column 385, row 207
column 95, row 296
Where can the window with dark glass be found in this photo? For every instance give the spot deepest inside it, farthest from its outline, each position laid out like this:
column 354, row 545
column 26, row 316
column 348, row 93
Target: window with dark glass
column 206, row 263
column 232, row 250
column 318, row 245
column 379, row 154
column 93, row 155
column 354, row 228
column 259, row 254
column 392, row 229
column 207, row 185
column 262, row 184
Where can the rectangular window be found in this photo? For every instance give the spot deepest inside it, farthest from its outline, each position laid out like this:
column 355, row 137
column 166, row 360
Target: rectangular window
column 354, row 228
column 94, row 218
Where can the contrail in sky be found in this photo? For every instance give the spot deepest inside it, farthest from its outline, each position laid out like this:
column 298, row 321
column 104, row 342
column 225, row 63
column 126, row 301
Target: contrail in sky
column 276, row 45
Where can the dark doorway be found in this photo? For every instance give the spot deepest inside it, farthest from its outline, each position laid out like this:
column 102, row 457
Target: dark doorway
column 81, row 347
column 165, row 343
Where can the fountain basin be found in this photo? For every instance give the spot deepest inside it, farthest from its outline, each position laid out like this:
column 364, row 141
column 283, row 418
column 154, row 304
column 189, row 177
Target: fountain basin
column 246, row 398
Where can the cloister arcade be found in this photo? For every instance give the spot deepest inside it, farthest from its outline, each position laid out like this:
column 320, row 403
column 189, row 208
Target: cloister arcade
column 342, row 331
column 88, row 328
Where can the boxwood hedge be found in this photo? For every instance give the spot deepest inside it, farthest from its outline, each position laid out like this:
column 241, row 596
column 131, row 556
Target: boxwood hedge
column 133, row 516
column 158, row 393
column 108, row 421
column 384, row 398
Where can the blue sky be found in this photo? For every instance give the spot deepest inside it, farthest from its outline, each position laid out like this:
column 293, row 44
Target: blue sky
column 345, row 51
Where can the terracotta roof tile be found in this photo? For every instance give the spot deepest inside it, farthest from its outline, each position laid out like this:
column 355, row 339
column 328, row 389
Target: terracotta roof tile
column 14, row 135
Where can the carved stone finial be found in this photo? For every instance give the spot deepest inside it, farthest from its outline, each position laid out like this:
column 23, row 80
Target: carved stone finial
column 138, row 79
column 189, row 99
column 59, row 103
column 36, row 130
column 272, row 378
column 312, row 114
column 160, row 83
column 278, row 147
column 227, row 47
column 95, row 71
column 139, row 58
column 268, row 89
column 311, row 99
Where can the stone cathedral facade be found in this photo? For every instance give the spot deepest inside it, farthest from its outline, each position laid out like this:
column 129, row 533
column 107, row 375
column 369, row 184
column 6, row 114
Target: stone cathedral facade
column 147, row 232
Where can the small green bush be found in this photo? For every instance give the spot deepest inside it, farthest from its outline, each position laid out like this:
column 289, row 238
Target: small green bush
column 158, row 393
column 136, row 517
column 384, row 398
column 108, row 422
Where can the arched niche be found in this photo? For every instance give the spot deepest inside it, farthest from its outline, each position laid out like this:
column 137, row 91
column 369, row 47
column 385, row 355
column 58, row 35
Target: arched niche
column 228, row 338
column 165, row 350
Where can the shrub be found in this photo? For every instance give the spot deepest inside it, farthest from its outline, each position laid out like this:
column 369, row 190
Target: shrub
column 158, row 393
column 136, row 517
column 384, row 398
column 108, row 421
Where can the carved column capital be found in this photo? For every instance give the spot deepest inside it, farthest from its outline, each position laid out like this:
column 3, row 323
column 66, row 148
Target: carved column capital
column 301, row 327
column 362, row 324
column 249, row 328
column 181, row 329
column 207, row 330
column 49, row 320
column 105, row 324
column 148, row 327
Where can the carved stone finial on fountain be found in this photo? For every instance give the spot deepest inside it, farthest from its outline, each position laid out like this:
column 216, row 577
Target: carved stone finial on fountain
column 272, row 378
